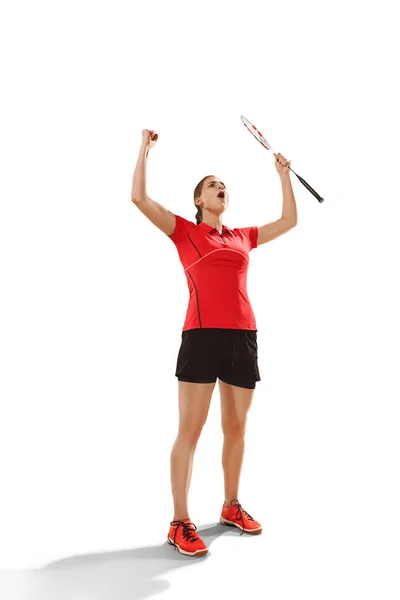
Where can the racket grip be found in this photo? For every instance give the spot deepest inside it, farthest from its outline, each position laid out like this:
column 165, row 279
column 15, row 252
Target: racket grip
column 310, row 189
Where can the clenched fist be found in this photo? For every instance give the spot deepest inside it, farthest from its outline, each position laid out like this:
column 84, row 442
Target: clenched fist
column 149, row 138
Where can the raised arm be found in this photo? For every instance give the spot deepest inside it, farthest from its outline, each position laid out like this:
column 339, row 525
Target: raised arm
column 155, row 212
column 288, row 220
column 270, row 231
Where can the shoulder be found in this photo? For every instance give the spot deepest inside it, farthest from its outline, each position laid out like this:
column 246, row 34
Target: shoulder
column 181, row 227
column 249, row 234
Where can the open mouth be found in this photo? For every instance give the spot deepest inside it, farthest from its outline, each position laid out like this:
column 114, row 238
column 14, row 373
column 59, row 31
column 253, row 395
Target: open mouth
column 221, row 195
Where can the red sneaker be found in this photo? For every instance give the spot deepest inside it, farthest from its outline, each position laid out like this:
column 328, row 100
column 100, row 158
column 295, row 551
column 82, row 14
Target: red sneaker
column 181, row 535
column 235, row 516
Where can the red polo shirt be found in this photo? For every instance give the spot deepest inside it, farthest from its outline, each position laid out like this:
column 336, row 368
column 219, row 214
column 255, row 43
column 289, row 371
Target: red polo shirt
column 216, row 271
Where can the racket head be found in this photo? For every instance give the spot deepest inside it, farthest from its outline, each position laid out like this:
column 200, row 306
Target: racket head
column 257, row 134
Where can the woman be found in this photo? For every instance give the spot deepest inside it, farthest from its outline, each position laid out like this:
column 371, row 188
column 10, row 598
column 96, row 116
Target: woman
column 219, row 336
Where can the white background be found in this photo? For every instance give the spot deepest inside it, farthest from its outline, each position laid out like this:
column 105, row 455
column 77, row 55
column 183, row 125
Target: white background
column 93, row 296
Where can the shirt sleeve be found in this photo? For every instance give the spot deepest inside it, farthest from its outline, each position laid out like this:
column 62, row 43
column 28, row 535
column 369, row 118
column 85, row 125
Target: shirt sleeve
column 180, row 230
column 251, row 234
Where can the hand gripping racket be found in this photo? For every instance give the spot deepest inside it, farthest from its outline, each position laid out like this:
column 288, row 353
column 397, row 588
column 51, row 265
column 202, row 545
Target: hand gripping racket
column 259, row 136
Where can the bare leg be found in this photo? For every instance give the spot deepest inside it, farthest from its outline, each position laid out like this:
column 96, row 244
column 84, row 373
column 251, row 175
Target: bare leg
column 181, row 473
column 235, row 404
column 232, row 460
column 194, row 403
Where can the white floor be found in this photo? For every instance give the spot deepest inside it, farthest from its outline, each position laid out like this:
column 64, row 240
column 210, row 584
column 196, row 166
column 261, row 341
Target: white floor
column 315, row 544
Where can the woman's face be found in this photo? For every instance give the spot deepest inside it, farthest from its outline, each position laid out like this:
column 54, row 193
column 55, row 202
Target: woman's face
column 214, row 196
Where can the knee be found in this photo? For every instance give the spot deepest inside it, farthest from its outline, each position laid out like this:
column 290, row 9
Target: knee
column 234, row 429
column 190, row 435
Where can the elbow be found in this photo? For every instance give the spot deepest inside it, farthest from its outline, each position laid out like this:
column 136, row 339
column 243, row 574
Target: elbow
column 136, row 199
column 291, row 221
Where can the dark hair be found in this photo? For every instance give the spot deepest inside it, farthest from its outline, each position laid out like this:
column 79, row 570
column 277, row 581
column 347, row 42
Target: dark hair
column 197, row 193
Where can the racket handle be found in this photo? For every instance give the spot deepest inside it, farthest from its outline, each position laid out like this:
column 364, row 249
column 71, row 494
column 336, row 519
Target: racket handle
column 308, row 186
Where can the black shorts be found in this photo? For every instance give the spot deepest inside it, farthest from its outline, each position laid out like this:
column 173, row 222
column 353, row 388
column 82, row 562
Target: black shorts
column 229, row 354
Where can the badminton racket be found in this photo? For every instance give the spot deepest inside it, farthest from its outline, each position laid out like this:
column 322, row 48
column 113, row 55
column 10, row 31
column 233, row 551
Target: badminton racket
column 259, row 136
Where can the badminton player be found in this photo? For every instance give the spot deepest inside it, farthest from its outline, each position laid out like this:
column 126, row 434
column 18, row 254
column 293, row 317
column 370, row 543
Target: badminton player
column 219, row 336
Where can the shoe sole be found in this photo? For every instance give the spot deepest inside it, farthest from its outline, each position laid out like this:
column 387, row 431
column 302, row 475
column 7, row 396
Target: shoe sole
column 197, row 553
column 224, row 521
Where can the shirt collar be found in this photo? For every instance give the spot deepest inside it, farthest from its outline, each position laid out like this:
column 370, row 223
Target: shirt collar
column 225, row 229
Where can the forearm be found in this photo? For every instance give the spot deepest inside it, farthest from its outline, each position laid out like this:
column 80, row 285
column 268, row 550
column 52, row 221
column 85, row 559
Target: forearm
column 139, row 176
column 289, row 209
